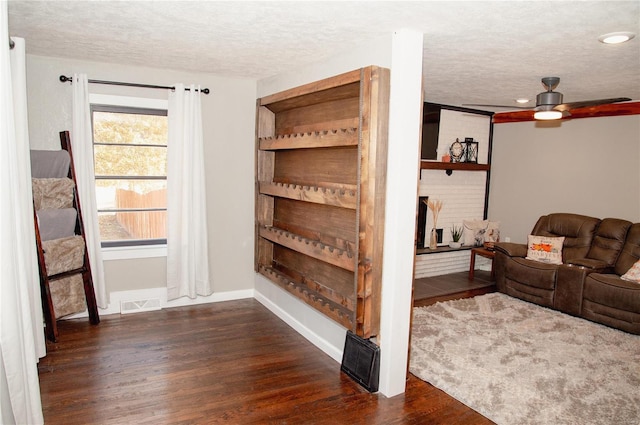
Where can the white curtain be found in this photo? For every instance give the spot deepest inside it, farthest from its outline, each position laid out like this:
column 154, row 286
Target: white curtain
column 187, row 249
column 19, row 83
column 82, row 147
column 21, row 332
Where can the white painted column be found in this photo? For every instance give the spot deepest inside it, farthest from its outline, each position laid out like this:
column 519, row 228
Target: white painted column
column 405, row 117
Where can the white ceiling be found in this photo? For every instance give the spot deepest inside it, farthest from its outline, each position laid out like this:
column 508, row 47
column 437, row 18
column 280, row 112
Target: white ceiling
column 474, row 52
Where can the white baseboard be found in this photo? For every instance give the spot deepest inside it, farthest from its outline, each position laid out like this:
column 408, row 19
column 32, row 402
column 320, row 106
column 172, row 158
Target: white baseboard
column 116, row 299
column 322, row 332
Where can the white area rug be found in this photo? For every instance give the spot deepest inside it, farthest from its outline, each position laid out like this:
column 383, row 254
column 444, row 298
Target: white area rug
column 518, row 363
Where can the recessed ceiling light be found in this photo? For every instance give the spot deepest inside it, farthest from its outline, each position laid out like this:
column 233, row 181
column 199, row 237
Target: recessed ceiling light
column 616, row 37
column 522, row 100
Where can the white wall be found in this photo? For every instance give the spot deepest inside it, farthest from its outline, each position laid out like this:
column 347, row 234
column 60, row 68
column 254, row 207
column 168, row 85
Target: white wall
column 587, row 166
column 228, row 126
column 405, row 119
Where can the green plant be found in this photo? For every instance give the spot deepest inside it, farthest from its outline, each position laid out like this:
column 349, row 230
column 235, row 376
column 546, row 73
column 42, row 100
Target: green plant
column 456, row 233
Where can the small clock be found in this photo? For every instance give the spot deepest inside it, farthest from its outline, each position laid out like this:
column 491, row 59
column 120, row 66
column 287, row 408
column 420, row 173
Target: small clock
column 457, row 151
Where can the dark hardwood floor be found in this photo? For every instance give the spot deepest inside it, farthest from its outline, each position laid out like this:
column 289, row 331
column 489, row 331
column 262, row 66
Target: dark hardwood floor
column 231, row 362
column 429, row 290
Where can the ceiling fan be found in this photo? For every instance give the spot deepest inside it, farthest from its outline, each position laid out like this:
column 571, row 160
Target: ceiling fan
column 549, row 104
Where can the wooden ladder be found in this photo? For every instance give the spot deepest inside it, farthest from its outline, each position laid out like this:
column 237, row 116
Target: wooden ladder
column 51, row 328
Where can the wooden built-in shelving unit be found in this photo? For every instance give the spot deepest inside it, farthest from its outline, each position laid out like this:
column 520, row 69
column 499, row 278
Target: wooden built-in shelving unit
column 320, row 181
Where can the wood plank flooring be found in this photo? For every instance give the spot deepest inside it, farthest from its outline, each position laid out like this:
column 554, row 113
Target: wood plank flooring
column 429, row 290
column 231, row 362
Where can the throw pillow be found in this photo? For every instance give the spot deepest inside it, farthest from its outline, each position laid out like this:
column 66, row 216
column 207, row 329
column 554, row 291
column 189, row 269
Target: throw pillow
column 493, row 232
column 474, row 231
column 477, row 232
column 545, row 249
column 633, row 274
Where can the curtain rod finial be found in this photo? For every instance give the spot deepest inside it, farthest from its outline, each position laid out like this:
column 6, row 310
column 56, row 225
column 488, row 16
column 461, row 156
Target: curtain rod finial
column 64, row 79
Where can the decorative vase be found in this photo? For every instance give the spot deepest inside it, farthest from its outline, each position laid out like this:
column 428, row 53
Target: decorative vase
column 433, row 239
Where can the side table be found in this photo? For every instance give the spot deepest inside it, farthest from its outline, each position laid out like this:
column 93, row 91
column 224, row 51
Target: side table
column 483, row 252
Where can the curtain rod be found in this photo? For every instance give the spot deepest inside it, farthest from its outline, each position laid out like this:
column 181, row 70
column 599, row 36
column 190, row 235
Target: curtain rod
column 64, row 79
column 11, row 44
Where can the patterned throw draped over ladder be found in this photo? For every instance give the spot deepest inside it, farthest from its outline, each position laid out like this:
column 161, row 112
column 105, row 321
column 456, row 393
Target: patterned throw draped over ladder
column 63, row 261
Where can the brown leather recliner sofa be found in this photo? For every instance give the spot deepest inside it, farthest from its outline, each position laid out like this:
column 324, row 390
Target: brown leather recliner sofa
column 595, row 253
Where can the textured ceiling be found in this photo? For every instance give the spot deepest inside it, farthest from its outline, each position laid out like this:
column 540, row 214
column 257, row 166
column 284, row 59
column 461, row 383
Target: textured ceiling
column 474, row 52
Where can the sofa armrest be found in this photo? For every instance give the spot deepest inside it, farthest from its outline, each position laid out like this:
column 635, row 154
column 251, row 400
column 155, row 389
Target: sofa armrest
column 511, row 249
column 590, row 264
column 570, row 283
column 569, row 288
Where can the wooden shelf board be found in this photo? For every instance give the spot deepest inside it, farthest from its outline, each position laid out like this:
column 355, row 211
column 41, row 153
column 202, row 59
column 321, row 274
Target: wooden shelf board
column 329, row 254
column 334, row 311
column 344, row 198
column 444, row 248
column 314, row 139
column 330, row 290
column 462, row 166
column 339, row 87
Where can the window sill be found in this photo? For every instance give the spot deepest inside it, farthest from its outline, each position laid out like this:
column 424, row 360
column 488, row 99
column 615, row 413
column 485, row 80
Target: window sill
column 133, row 252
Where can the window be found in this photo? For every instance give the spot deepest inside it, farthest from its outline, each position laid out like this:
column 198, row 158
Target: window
column 130, row 157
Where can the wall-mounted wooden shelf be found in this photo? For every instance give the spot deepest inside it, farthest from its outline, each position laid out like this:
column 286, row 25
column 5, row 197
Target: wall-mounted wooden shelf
column 326, row 300
column 329, row 254
column 462, row 166
column 315, row 139
column 320, row 182
column 444, row 248
column 344, row 196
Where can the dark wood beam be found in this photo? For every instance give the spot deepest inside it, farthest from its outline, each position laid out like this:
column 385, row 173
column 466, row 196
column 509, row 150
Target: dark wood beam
column 609, row 110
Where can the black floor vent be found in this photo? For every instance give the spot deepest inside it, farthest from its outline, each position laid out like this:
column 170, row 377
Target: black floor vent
column 361, row 361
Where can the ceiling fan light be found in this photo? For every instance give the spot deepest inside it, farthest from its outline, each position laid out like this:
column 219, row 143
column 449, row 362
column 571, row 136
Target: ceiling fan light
column 616, row 37
column 547, row 115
